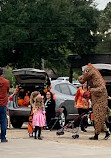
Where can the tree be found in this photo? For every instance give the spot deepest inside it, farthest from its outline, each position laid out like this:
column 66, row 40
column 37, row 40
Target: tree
column 104, row 31
column 84, row 23
column 9, row 75
column 48, row 29
column 31, row 30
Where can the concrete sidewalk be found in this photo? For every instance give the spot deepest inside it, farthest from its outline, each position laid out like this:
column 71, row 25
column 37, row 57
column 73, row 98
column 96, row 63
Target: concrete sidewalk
column 30, row 148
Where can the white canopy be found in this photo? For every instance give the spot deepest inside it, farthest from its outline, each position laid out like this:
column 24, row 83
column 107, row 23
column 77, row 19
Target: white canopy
column 100, row 66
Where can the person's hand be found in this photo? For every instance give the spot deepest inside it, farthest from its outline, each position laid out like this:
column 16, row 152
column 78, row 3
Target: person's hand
column 109, row 97
column 83, row 99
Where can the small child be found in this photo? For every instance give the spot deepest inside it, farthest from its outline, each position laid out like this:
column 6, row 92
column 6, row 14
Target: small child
column 31, row 130
column 27, row 99
column 8, row 120
column 38, row 116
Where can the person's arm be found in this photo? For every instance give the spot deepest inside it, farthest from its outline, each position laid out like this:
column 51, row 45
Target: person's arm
column 53, row 106
column 109, row 97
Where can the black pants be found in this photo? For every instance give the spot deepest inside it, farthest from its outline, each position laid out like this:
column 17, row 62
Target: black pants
column 84, row 121
column 48, row 119
column 37, row 128
column 3, row 119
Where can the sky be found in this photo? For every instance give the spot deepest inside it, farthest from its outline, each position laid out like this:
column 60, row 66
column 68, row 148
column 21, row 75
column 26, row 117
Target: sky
column 102, row 3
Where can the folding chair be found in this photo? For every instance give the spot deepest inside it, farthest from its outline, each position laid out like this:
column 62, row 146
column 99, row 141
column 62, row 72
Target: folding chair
column 57, row 117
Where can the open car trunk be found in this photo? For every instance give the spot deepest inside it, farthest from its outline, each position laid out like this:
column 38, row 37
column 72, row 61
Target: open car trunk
column 30, row 79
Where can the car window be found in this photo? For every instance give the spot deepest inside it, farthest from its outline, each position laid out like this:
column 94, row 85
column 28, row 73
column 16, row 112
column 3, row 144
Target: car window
column 72, row 89
column 57, row 87
column 64, row 89
column 60, row 78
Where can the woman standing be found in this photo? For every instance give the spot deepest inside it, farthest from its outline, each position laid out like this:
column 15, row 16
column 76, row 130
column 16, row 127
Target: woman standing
column 82, row 102
column 49, row 103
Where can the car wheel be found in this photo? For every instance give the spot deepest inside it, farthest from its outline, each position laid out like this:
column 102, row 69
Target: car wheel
column 16, row 123
column 62, row 120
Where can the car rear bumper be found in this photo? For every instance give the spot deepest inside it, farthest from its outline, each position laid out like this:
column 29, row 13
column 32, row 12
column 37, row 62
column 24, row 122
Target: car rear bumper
column 19, row 112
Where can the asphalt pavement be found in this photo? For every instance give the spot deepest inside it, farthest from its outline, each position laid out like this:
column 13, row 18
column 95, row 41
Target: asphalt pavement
column 19, row 145
column 30, row 148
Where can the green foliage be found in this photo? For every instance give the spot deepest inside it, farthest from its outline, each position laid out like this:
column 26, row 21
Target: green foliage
column 48, row 29
column 75, row 75
column 84, row 19
column 104, row 30
column 33, row 29
column 9, row 75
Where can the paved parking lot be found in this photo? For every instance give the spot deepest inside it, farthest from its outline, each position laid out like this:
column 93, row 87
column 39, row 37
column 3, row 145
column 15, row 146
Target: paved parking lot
column 52, row 146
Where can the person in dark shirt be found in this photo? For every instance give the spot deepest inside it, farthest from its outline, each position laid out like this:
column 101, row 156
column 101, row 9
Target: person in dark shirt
column 49, row 104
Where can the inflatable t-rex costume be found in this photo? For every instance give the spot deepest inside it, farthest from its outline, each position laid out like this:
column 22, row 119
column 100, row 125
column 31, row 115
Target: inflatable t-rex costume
column 98, row 97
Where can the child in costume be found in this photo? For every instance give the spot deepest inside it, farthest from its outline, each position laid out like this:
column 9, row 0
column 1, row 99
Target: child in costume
column 82, row 102
column 30, row 125
column 27, row 99
column 38, row 116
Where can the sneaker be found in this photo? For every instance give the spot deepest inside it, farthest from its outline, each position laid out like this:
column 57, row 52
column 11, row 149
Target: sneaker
column 46, row 129
column 3, row 141
column 60, row 133
column 84, row 130
column 39, row 138
column 107, row 136
column 30, row 135
column 75, row 136
column 93, row 138
column 35, row 137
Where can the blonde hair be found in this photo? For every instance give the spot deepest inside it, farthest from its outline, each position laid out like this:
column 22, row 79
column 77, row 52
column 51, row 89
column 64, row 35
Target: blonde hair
column 33, row 95
column 38, row 104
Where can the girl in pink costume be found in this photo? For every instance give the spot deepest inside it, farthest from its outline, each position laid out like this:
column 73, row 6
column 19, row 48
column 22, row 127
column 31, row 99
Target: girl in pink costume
column 38, row 116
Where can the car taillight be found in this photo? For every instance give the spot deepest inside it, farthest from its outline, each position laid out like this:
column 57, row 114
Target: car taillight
column 11, row 97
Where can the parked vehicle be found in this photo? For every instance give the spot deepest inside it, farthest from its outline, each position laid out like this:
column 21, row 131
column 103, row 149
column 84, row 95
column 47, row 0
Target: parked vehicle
column 77, row 84
column 30, row 80
column 63, row 78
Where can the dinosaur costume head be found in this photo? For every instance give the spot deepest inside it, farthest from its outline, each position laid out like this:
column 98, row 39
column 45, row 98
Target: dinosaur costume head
column 90, row 73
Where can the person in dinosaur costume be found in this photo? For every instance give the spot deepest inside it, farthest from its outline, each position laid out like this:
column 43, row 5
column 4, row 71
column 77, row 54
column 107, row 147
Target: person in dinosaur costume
column 98, row 97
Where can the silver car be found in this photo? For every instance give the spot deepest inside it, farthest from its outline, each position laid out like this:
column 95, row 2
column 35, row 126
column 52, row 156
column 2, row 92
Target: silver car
column 65, row 96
